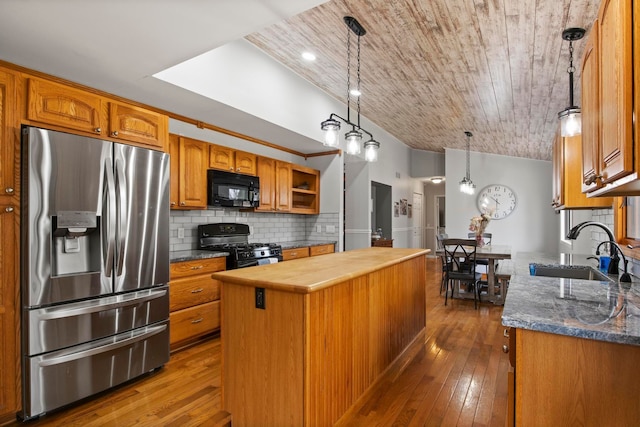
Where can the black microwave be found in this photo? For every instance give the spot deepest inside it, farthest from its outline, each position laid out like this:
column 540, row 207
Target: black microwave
column 228, row 189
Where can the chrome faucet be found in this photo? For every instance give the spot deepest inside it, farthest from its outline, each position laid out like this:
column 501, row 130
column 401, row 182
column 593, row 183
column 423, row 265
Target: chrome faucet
column 615, row 259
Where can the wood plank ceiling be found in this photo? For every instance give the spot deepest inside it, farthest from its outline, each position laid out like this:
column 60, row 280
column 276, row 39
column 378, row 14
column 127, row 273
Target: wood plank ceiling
column 432, row 69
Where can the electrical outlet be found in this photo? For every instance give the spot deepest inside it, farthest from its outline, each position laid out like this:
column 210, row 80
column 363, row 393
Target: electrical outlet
column 318, row 228
column 180, row 233
column 331, row 228
column 260, row 298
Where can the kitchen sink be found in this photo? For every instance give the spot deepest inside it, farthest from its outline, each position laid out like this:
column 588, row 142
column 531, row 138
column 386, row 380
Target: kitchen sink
column 570, row 272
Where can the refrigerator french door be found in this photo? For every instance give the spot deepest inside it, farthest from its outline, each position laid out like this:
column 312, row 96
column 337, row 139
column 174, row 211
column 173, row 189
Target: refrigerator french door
column 95, row 266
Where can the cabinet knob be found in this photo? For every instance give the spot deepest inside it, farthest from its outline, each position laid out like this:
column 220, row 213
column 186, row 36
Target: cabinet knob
column 173, row 203
column 505, row 348
column 183, row 204
column 506, row 333
column 98, row 130
column 9, row 190
column 114, row 133
column 231, row 169
column 8, row 209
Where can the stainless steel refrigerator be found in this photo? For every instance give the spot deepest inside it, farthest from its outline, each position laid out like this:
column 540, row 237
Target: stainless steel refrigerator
column 94, row 264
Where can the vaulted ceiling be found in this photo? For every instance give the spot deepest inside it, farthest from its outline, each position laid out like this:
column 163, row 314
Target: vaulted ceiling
column 432, row 69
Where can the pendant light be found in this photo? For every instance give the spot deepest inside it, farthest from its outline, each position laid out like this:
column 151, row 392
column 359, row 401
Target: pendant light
column 466, row 185
column 331, row 126
column 570, row 117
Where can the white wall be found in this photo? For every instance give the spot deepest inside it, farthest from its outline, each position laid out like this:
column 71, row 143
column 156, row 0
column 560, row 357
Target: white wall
column 532, row 227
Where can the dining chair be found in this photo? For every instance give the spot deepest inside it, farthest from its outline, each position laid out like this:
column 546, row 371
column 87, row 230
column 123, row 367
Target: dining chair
column 444, row 261
column 462, row 266
column 483, row 263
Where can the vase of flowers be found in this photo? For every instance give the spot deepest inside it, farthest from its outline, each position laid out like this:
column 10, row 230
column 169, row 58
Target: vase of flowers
column 478, row 225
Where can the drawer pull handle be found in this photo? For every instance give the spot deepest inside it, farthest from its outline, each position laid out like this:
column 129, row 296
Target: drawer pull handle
column 197, row 291
column 196, row 320
column 197, row 267
column 505, row 348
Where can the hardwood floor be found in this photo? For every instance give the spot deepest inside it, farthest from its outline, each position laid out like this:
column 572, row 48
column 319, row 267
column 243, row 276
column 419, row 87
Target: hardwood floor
column 458, row 377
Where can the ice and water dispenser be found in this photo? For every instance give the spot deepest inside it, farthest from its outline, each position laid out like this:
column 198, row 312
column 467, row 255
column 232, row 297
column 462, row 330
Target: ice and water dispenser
column 76, row 243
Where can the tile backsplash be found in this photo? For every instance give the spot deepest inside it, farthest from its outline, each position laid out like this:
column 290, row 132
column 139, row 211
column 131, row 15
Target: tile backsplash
column 265, row 227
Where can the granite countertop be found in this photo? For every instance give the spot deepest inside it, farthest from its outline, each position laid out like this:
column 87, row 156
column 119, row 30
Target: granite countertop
column 178, row 256
column 591, row 309
column 304, row 244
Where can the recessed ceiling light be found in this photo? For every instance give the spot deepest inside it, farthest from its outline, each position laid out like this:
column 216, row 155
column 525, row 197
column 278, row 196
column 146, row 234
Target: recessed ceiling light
column 308, row 56
column 355, row 92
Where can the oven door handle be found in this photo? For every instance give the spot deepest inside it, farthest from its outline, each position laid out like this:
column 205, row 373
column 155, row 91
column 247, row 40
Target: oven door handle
column 64, row 358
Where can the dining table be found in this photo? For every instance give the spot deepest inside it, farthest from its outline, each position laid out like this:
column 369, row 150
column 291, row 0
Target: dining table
column 493, row 254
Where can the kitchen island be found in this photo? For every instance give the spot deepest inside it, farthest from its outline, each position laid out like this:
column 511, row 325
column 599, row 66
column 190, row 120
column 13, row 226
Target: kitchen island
column 574, row 346
column 303, row 340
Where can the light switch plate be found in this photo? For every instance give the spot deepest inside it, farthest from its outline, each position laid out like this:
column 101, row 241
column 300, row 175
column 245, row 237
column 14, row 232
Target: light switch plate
column 180, row 233
column 331, row 228
column 318, row 228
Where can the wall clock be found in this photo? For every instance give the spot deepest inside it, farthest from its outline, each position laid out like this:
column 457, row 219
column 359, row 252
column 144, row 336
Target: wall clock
column 496, row 199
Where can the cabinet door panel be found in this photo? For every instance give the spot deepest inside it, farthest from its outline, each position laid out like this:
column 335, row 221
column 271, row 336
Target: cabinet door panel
column 616, row 109
column 138, row 125
column 193, row 173
column 194, row 321
column 9, row 140
column 64, row 106
column 283, row 187
column 245, row 162
column 266, row 172
column 221, row 158
column 590, row 110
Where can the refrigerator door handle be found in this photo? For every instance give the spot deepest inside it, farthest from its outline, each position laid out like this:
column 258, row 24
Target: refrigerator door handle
column 88, row 308
column 58, row 359
column 121, row 220
column 109, row 232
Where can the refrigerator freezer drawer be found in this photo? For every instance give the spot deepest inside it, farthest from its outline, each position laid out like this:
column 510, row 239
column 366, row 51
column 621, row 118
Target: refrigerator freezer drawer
column 57, row 327
column 56, row 379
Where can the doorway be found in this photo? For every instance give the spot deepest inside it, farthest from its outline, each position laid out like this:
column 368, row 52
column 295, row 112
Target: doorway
column 440, row 209
column 381, row 209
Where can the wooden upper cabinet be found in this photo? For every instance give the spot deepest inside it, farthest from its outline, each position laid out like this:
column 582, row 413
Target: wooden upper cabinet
column 138, row 125
column 615, row 89
column 590, row 112
column 245, row 162
column 63, row 106
column 266, row 168
column 283, row 186
column 9, row 135
column 188, row 173
column 275, row 185
column 228, row 159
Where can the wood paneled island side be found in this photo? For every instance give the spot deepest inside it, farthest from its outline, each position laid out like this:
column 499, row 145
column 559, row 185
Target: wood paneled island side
column 330, row 326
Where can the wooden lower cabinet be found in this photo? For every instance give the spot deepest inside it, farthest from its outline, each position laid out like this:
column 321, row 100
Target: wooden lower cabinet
column 194, row 300
column 306, row 251
column 568, row 381
column 295, row 253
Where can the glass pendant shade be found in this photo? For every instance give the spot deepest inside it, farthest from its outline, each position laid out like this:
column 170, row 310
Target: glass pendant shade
column 371, row 150
column 570, row 122
column 467, row 186
column 331, row 128
column 353, row 138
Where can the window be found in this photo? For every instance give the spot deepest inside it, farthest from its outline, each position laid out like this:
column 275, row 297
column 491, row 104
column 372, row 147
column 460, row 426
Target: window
column 566, row 222
column 627, row 221
column 633, row 217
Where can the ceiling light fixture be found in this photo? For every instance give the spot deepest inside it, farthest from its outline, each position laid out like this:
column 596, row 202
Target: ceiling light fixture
column 331, row 126
column 466, row 185
column 436, row 179
column 308, row 56
column 570, row 120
